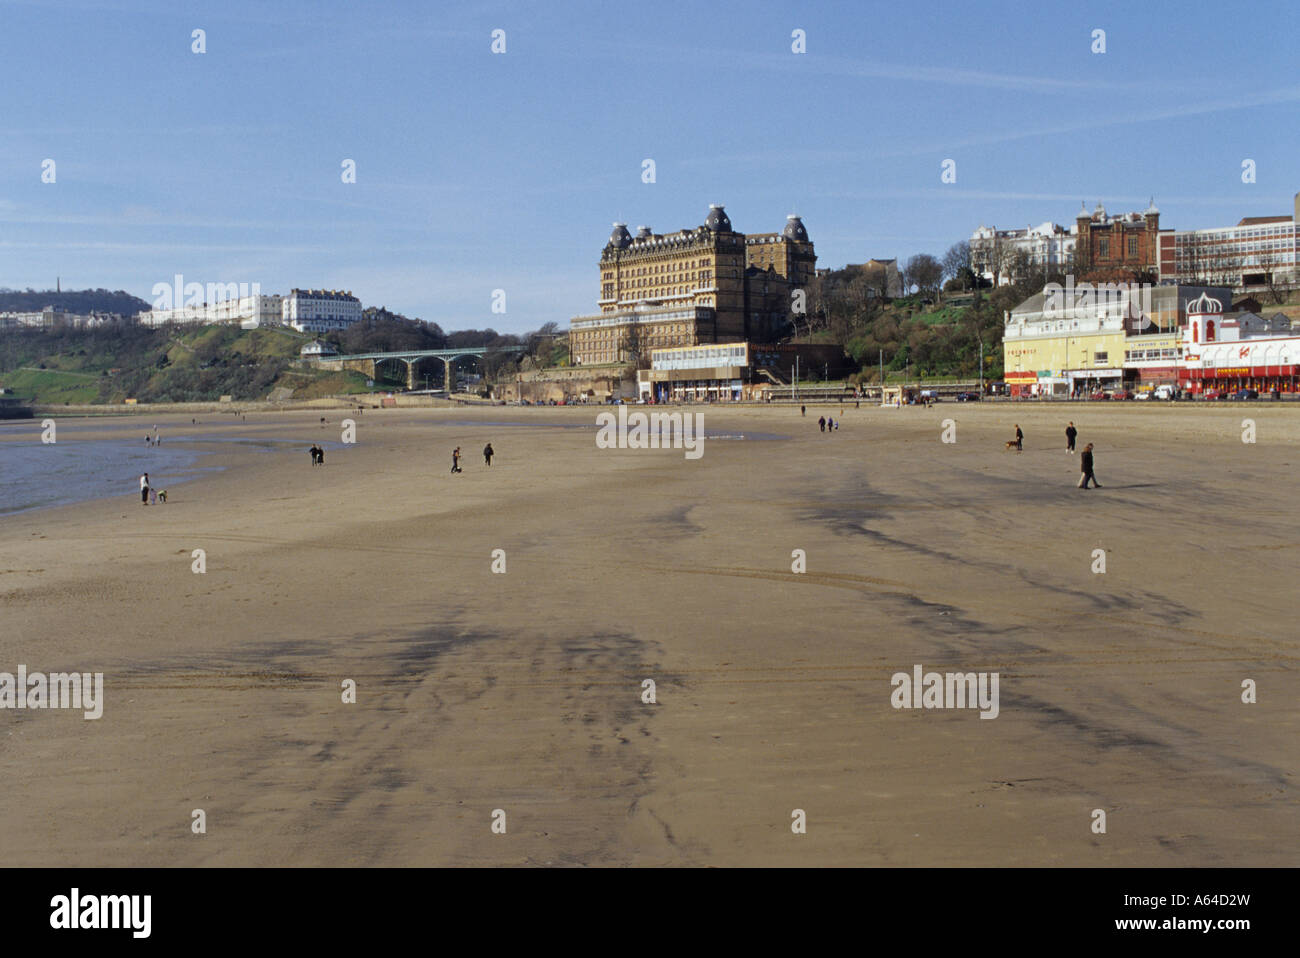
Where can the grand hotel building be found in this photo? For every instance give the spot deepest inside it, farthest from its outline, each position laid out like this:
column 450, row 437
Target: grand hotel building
column 707, row 284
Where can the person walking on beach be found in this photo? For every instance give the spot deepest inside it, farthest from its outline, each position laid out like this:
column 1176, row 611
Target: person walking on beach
column 144, row 489
column 487, row 454
column 455, row 460
column 1085, row 468
column 1020, row 439
column 803, row 410
column 1070, row 434
column 153, row 496
column 821, row 423
column 830, row 424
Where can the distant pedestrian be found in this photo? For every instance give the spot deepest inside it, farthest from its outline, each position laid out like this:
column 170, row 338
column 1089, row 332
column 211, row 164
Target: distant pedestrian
column 144, row 489
column 830, row 424
column 821, row 423
column 313, row 452
column 148, row 440
column 487, row 454
column 455, row 460
column 320, row 456
column 1020, row 439
column 1085, row 468
column 1070, row 434
column 803, row 410
column 153, row 496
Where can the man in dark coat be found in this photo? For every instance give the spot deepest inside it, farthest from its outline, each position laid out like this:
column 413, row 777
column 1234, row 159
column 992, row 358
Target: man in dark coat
column 1085, row 468
column 1070, row 434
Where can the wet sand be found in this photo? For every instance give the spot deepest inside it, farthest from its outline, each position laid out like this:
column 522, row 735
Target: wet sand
column 523, row 691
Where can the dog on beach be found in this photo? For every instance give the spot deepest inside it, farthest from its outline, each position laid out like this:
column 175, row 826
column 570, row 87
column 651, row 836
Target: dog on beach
column 1011, row 444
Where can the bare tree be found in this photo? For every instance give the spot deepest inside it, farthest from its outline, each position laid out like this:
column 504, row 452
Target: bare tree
column 924, row 272
column 878, row 277
column 956, row 259
column 1272, row 266
column 1017, row 265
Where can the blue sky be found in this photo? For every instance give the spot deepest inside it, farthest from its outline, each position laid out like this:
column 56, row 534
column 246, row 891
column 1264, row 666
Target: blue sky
column 478, row 171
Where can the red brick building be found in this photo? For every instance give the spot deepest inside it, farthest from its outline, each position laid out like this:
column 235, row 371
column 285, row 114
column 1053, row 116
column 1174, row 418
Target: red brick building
column 1130, row 241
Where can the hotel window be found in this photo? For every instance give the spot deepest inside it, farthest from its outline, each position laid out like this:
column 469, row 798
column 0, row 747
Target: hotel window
column 1132, row 246
column 1103, row 249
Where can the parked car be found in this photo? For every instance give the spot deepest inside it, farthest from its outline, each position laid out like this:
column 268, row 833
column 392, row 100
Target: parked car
column 1163, row 392
column 1099, row 394
column 1246, row 394
column 1216, row 394
column 968, row 397
column 1125, row 394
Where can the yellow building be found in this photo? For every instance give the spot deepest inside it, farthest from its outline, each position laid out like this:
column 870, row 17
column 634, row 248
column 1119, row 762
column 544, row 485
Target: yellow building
column 1078, row 339
column 708, row 284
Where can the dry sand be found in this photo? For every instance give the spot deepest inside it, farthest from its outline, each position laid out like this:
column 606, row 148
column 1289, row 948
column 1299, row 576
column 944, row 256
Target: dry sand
column 522, row 691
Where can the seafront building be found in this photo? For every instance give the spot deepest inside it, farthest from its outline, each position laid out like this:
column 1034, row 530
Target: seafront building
column 1074, row 341
column 1226, row 351
column 1137, row 337
column 250, row 312
column 1255, row 252
column 1097, row 240
column 705, row 284
column 320, row 310
column 1258, row 251
column 51, row 318
column 726, row 372
column 1044, row 246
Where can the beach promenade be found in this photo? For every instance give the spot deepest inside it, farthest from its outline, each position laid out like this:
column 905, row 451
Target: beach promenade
column 522, row 691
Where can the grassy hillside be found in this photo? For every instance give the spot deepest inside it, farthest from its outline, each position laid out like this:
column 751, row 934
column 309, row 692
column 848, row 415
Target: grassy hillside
column 161, row 365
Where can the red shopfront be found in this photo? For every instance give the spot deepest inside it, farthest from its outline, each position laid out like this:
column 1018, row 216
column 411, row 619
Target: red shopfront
column 1285, row 379
column 1020, row 384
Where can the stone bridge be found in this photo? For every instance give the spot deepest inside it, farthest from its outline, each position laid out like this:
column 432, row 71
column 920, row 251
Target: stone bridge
column 368, row 363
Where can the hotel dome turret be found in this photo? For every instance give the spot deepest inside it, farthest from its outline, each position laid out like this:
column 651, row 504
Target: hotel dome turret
column 718, row 221
column 620, row 238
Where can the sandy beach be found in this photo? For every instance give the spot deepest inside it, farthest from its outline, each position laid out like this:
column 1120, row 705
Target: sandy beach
column 478, row 691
